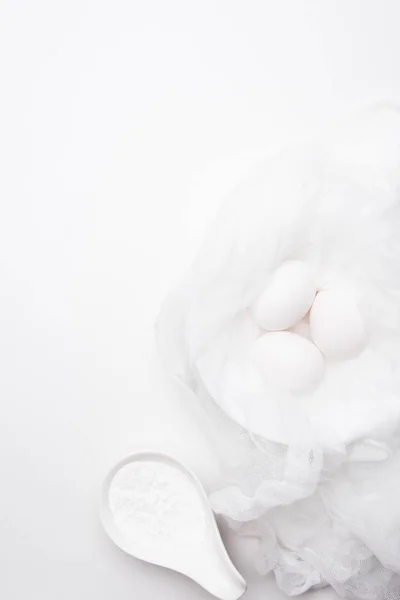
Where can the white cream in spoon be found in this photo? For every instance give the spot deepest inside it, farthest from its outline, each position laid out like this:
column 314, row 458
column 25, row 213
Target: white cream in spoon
column 155, row 509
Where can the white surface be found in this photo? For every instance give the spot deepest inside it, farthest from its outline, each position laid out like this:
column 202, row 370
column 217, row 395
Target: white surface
column 111, row 114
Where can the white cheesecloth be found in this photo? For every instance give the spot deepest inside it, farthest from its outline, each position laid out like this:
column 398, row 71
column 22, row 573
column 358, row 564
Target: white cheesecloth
column 315, row 476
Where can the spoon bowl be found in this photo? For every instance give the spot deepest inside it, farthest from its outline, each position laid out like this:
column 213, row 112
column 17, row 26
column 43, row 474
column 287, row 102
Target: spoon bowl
column 205, row 560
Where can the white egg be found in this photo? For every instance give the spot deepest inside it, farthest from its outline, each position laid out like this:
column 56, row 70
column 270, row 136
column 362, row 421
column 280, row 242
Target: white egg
column 287, row 298
column 336, row 325
column 288, row 360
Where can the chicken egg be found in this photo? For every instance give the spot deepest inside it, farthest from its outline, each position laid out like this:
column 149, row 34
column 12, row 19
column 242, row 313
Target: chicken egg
column 288, row 360
column 336, row 325
column 287, row 298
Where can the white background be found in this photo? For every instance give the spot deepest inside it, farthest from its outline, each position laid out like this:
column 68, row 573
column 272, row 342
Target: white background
column 116, row 118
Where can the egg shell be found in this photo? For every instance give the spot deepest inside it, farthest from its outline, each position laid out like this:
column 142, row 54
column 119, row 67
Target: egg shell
column 336, row 325
column 288, row 360
column 287, row 298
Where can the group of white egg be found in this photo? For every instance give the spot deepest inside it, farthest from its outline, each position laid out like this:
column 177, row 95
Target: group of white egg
column 302, row 326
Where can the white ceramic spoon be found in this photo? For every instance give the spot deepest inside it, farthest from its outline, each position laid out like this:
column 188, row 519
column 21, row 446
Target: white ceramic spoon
column 203, row 556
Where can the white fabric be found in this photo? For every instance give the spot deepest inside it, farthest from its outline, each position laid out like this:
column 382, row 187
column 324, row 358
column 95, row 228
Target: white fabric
column 316, row 475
